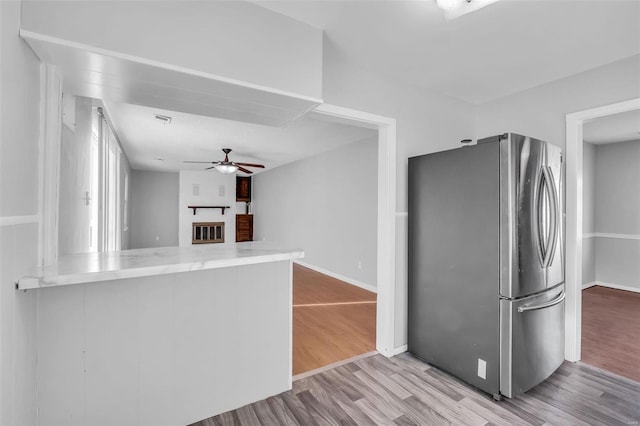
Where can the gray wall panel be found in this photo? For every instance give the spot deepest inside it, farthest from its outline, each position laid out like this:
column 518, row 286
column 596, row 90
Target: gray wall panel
column 618, row 262
column 617, row 186
column 588, row 213
column 326, row 205
column 617, row 211
column 154, row 209
column 588, row 260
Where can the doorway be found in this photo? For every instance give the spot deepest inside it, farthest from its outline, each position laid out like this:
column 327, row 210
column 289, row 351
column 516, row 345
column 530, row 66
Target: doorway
column 611, row 244
column 333, row 321
column 574, row 218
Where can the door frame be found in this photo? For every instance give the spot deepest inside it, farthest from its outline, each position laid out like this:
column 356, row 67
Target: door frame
column 386, row 242
column 574, row 200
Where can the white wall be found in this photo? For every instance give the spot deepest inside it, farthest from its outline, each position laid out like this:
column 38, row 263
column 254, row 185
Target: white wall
column 617, row 211
column 327, row 206
column 426, row 122
column 232, row 39
column 163, row 350
column 540, row 112
column 19, row 132
column 154, row 208
column 215, row 189
column 588, row 213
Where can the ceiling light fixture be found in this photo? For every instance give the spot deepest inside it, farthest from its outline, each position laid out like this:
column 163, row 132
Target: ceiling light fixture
column 456, row 8
column 226, row 168
column 450, row 4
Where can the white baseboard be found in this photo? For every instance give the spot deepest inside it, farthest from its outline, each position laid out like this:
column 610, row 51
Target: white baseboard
column 587, row 285
column 611, row 285
column 610, row 235
column 356, row 283
column 399, row 350
column 332, row 366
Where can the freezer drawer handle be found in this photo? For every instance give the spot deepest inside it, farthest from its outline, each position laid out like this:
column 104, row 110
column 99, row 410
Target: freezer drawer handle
column 555, row 301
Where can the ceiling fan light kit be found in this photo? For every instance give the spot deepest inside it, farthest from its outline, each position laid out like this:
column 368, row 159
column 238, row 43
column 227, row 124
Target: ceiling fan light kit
column 449, row 4
column 455, row 8
column 227, row 167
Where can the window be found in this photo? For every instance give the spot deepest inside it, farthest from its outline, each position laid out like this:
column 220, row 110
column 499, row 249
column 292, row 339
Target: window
column 114, row 187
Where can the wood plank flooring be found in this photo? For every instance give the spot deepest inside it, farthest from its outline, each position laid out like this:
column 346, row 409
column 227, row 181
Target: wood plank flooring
column 405, row 391
column 611, row 330
column 332, row 320
column 311, row 287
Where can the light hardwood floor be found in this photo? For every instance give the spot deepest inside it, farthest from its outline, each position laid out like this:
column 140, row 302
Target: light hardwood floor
column 332, row 320
column 611, row 330
column 405, row 391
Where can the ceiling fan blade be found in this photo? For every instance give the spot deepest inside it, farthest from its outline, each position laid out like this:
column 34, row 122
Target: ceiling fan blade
column 250, row 165
column 204, row 162
column 242, row 169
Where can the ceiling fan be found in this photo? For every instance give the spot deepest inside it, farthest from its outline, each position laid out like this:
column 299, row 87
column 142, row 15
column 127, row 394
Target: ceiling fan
column 225, row 166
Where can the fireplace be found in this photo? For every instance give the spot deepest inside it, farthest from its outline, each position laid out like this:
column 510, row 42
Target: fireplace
column 207, row 232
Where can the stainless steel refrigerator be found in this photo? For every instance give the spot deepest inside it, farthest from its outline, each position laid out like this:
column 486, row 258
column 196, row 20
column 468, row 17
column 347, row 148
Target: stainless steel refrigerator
column 486, row 262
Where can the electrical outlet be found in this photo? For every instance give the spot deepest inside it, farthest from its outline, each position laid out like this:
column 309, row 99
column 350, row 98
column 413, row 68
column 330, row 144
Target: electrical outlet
column 220, row 190
column 482, row 369
column 359, row 264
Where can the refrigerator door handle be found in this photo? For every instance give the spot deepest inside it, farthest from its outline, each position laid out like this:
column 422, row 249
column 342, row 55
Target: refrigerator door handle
column 553, row 197
column 537, row 217
column 548, row 304
column 546, row 217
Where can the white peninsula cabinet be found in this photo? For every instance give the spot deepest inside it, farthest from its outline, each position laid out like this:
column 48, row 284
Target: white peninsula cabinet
column 163, row 336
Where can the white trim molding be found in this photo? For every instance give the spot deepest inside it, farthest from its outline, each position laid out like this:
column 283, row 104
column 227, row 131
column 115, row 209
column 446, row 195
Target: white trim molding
column 332, row 366
column 347, row 280
column 574, row 234
column 402, row 214
column 49, row 163
column 608, row 235
column 400, row 349
column 386, row 259
column 612, row 285
column 19, row 220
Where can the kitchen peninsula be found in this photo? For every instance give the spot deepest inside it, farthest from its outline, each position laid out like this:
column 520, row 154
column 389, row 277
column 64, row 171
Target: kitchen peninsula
column 168, row 335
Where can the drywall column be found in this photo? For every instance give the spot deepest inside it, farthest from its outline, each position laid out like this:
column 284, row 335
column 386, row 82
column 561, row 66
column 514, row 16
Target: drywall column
column 19, row 154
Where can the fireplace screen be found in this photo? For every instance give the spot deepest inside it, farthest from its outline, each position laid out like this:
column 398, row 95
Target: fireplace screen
column 207, row 232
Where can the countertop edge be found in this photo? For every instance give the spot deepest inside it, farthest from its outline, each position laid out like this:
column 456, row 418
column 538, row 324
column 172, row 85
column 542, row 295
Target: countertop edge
column 38, row 282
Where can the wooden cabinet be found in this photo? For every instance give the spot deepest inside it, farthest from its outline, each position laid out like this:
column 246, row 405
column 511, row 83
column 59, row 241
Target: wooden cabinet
column 243, row 188
column 244, row 227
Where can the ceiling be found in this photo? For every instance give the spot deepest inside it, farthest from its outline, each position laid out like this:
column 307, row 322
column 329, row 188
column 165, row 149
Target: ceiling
column 509, row 46
column 614, row 128
column 198, row 138
column 504, row 48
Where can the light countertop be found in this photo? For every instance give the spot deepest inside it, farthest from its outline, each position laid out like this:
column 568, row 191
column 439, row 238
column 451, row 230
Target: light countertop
column 105, row 266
